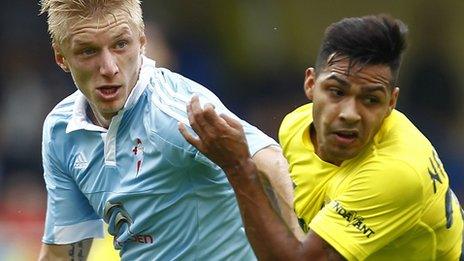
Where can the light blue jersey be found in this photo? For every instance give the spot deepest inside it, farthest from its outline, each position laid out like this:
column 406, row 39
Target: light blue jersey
column 162, row 199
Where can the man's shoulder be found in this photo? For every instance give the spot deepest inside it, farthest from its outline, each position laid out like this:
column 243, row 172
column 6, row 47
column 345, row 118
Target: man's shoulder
column 387, row 177
column 387, row 166
column 167, row 107
column 397, row 127
column 61, row 113
column 400, row 152
column 172, row 87
column 298, row 114
column 171, row 92
column 400, row 140
column 169, row 95
column 166, row 80
column 300, row 118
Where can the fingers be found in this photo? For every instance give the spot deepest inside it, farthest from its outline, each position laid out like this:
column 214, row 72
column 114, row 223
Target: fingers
column 196, row 116
column 190, row 116
column 220, row 138
column 232, row 122
column 204, row 121
column 213, row 118
column 188, row 137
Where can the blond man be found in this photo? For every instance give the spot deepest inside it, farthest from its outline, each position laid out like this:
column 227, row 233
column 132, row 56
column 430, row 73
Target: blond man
column 112, row 152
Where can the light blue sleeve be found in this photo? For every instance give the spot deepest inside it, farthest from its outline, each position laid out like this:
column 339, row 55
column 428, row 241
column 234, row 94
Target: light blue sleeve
column 184, row 87
column 69, row 218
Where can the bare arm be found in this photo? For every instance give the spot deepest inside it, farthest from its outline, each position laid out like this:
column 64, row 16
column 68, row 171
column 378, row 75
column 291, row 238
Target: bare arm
column 273, row 170
column 73, row 252
column 270, row 238
column 221, row 138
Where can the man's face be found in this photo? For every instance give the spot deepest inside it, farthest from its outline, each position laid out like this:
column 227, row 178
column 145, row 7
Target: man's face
column 104, row 57
column 348, row 110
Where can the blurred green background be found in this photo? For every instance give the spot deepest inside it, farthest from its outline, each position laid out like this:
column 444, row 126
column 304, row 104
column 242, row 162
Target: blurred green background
column 252, row 54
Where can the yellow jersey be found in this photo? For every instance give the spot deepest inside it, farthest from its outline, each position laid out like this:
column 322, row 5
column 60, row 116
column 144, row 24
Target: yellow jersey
column 391, row 202
column 103, row 249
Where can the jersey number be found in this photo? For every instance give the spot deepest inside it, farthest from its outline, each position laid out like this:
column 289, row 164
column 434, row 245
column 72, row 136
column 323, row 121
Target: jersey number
column 435, row 172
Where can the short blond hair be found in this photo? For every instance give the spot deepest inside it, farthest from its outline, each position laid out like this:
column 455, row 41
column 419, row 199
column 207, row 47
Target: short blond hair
column 61, row 12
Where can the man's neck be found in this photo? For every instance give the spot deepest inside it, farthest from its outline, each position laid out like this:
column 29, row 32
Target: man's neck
column 97, row 118
column 318, row 149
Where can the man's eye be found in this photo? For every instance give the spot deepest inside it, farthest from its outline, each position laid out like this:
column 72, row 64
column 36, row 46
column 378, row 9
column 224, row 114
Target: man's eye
column 371, row 100
column 336, row 92
column 88, row 51
column 121, row 44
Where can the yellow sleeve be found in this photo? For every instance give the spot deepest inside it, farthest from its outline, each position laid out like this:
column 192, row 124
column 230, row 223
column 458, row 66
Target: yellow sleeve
column 291, row 124
column 283, row 134
column 103, row 249
column 379, row 204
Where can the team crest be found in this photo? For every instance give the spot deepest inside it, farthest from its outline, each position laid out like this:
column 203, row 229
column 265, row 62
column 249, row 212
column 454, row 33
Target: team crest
column 138, row 153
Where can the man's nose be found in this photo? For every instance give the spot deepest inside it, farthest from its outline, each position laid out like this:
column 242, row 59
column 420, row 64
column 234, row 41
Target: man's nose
column 349, row 112
column 108, row 66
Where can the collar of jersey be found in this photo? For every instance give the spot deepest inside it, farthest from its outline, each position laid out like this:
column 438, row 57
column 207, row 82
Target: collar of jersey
column 79, row 119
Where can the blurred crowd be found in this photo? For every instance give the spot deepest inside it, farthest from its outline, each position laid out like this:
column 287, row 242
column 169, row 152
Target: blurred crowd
column 252, row 54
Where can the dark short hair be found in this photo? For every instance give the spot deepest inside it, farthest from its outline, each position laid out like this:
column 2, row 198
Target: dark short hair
column 367, row 40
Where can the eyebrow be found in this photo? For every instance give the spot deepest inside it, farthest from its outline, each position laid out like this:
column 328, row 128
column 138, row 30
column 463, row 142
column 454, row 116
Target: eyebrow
column 367, row 88
column 341, row 81
column 123, row 33
column 79, row 42
column 374, row 88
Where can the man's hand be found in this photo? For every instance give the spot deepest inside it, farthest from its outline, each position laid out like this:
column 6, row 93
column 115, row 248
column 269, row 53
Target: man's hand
column 222, row 140
column 220, row 137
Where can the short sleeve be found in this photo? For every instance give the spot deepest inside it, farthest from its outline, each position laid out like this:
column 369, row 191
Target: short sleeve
column 378, row 205
column 69, row 217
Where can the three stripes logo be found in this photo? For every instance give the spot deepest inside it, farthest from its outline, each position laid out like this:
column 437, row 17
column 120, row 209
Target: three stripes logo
column 81, row 161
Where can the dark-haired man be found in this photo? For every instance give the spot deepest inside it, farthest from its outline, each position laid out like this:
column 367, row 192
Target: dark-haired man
column 368, row 184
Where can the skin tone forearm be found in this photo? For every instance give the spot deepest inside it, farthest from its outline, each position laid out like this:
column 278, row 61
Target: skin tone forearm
column 78, row 251
column 273, row 171
column 268, row 235
column 266, row 231
column 221, row 139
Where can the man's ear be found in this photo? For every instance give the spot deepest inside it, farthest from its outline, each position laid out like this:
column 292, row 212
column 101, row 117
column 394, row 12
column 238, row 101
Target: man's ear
column 393, row 99
column 310, row 80
column 143, row 43
column 59, row 58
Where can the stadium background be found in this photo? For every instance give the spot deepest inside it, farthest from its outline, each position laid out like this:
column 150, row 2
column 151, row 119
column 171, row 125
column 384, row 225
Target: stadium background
column 252, row 54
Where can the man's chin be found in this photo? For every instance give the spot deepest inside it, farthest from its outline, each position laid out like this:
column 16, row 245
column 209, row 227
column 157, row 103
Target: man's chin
column 110, row 110
column 346, row 154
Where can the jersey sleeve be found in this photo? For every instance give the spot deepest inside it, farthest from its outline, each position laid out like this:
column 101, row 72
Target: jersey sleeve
column 69, row 216
column 175, row 91
column 291, row 125
column 380, row 203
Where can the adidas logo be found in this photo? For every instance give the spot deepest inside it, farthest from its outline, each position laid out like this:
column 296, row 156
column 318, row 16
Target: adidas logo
column 81, row 162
